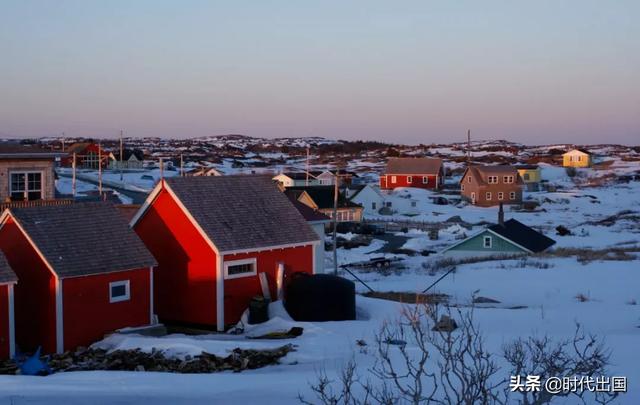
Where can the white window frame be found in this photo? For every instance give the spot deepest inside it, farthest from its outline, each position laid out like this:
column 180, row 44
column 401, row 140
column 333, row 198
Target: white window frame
column 468, row 179
column 507, row 179
column 425, row 179
column 500, row 195
column 473, row 197
column 512, row 195
column 490, row 178
column 484, row 242
column 409, row 179
column 127, row 288
column 393, row 179
column 26, row 182
column 462, row 187
column 253, row 261
column 487, row 195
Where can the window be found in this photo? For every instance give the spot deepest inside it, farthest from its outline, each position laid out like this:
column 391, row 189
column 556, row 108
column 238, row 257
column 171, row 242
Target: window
column 413, row 203
column 500, row 196
column 493, row 179
column 512, row 195
column 373, row 205
column 487, row 242
column 488, row 196
column 409, row 179
column 425, row 180
column 388, row 204
column 473, row 197
column 507, row 179
column 242, row 268
column 119, row 291
column 462, row 187
column 469, row 179
column 25, row 186
column 526, row 176
column 393, row 179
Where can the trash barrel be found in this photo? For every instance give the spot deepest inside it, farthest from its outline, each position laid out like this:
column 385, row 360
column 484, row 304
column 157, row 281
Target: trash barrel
column 258, row 310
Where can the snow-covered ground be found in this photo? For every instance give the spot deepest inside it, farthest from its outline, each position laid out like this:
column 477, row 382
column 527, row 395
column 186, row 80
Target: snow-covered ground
column 542, row 289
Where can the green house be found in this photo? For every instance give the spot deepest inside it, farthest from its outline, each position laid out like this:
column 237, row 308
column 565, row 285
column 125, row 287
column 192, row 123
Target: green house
column 508, row 238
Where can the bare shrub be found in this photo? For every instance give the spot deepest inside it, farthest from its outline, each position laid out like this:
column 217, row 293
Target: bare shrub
column 582, row 298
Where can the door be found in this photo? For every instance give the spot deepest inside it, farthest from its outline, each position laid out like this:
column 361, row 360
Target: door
column 473, row 197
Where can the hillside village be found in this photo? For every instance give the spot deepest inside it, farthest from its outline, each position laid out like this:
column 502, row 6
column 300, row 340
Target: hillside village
column 174, row 246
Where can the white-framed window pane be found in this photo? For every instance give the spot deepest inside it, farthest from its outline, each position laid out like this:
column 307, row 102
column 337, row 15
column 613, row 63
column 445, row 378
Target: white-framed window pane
column 487, row 241
column 488, row 196
column 409, row 179
column 240, row 268
column 119, row 291
column 512, row 195
column 500, row 196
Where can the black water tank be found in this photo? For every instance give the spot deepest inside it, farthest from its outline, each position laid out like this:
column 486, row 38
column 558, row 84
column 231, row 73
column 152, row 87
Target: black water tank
column 258, row 310
column 321, row 297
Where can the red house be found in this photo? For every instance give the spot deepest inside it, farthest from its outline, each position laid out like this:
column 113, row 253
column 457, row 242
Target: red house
column 213, row 236
column 83, row 273
column 413, row 172
column 7, row 336
column 88, row 154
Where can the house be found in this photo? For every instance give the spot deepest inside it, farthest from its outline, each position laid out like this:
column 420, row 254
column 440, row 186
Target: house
column 8, row 279
column 413, row 172
column 321, row 198
column 296, row 179
column 26, row 172
column 318, row 222
column 491, row 185
column 328, row 177
column 506, row 238
column 370, row 198
column 203, row 171
column 214, row 237
column 133, row 159
column 87, row 154
column 83, row 273
column 577, row 158
column 531, row 176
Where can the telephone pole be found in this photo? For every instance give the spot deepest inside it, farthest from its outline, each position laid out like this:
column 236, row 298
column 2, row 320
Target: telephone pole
column 468, row 147
column 121, row 156
column 100, row 169
column 307, row 180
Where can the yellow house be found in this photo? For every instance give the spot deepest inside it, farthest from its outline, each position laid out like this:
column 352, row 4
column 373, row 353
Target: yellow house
column 577, row 158
column 530, row 175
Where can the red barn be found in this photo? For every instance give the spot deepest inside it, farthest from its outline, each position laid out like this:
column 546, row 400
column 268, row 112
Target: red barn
column 212, row 237
column 7, row 336
column 83, row 273
column 413, row 172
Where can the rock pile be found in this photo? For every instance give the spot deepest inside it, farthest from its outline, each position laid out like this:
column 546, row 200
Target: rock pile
column 136, row 360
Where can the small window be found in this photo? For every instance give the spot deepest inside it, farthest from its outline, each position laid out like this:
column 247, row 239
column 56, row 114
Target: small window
column 526, row 176
column 469, row 179
column 492, row 179
column 462, row 187
column 373, row 205
column 388, row 204
column 507, row 179
column 500, row 196
column 246, row 267
column 393, row 179
column 409, row 179
column 488, row 196
column 119, row 291
column 487, row 242
column 473, row 197
column 425, row 180
column 25, row 186
column 512, row 195
column 413, row 203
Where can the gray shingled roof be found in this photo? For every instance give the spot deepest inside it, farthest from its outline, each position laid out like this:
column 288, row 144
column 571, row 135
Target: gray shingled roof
column 6, row 274
column 242, row 212
column 413, row 165
column 82, row 239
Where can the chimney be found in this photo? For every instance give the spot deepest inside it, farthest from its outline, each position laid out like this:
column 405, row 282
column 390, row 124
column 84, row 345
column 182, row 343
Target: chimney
column 501, row 216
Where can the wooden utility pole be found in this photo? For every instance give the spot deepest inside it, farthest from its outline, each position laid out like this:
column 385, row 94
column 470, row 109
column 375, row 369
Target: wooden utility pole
column 336, row 190
column 121, row 156
column 307, row 180
column 181, row 166
column 73, row 176
column 100, row 169
column 161, row 170
column 63, row 141
column 468, row 147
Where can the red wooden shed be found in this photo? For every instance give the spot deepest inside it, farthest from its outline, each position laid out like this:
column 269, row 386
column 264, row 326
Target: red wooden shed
column 213, row 237
column 83, row 273
column 417, row 172
column 7, row 336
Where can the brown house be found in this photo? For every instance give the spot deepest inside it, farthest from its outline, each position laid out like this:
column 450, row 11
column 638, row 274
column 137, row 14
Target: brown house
column 491, row 185
column 26, row 172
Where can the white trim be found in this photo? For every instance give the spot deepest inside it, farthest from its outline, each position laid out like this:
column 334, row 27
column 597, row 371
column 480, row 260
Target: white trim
column 510, row 241
column 151, row 310
column 512, row 195
column 220, row 293
column 394, row 179
column 425, row 179
column 12, row 325
column 120, row 298
column 265, row 248
column 147, row 203
column 252, row 261
column 26, row 172
column 59, row 318
column 410, row 179
column 484, row 242
column 479, row 233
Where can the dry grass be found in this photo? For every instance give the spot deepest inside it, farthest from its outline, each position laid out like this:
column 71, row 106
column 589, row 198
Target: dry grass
column 582, row 298
column 409, row 298
column 585, row 256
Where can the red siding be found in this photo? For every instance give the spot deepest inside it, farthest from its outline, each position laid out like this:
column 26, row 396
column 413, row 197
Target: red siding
column 4, row 322
column 403, row 181
column 87, row 313
column 185, row 279
column 239, row 291
column 34, row 295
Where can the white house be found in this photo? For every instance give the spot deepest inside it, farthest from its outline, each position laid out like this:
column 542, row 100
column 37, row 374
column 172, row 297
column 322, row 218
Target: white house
column 297, row 179
column 369, row 197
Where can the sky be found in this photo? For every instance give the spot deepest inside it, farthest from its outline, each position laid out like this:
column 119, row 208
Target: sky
column 411, row 71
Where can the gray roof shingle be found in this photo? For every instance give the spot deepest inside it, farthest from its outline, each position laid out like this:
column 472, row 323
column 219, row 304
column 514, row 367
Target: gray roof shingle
column 83, row 239
column 413, row 165
column 6, row 273
column 242, row 212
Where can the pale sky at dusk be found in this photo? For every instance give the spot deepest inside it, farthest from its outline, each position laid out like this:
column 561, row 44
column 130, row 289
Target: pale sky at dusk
column 396, row 71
